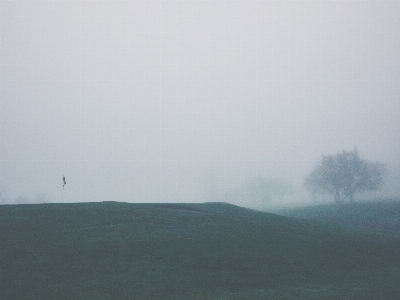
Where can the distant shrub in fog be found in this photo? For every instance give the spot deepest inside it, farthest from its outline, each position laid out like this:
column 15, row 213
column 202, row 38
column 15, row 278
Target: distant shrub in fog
column 259, row 192
column 40, row 198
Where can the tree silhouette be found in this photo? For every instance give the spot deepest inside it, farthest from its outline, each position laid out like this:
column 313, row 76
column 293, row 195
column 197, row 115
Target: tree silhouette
column 344, row 174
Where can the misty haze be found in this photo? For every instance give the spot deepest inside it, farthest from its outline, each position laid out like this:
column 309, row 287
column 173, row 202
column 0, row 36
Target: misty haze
column 175, row 101
column 186, row 150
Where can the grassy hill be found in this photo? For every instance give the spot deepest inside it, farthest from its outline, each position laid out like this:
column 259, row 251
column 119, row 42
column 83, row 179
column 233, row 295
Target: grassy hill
column 382, row 216
column 187, row 251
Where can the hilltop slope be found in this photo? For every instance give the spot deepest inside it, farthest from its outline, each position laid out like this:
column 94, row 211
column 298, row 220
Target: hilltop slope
column 382, row 216
column 186, row 251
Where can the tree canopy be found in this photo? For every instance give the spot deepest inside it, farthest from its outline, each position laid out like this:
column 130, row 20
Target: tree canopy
column 344, row 174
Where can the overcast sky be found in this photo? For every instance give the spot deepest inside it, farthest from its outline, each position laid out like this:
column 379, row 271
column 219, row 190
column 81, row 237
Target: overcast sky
column 151, row 100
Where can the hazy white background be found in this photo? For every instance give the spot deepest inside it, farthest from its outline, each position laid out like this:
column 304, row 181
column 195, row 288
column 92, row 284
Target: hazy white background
column 173, row 100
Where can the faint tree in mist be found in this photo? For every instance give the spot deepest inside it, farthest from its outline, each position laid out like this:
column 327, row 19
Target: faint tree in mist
column 280, row 189
column 345, row 174
column 259, row 192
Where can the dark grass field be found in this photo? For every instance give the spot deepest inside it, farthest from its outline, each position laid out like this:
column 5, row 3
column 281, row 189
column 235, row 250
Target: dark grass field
column 215, row 251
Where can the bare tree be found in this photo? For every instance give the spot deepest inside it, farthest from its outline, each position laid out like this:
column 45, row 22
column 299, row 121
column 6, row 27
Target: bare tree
column 344, row 174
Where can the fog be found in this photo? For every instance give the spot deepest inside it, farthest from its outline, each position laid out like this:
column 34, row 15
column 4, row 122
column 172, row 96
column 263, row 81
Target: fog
column 187, row 101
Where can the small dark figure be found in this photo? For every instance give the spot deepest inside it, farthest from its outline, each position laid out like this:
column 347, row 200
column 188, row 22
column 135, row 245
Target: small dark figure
column 64, row 181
